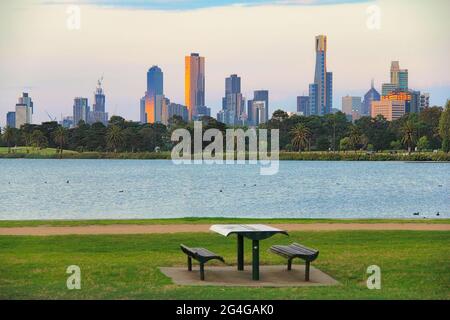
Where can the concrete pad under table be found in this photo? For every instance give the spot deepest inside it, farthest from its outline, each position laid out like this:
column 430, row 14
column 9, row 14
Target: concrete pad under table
column 270, row 276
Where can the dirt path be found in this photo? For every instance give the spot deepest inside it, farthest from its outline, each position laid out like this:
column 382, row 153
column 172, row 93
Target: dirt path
column 176, row 228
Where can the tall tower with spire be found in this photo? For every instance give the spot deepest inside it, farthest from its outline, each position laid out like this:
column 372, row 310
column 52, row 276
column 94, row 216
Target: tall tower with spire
column 369, row 97
column 321, row 91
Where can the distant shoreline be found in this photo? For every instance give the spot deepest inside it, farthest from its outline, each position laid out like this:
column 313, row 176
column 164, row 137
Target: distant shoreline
column 424, row 157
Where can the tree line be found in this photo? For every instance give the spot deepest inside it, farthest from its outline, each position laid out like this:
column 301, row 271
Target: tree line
column 428, row 130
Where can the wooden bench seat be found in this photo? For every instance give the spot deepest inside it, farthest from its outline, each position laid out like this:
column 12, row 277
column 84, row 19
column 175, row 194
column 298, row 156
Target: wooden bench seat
column 202, row 255
column 296, row 250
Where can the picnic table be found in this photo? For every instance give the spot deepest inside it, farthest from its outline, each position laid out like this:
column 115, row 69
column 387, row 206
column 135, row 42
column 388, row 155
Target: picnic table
column 254, row 232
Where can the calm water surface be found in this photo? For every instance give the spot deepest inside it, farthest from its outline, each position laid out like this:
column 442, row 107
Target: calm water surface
column 106, row 189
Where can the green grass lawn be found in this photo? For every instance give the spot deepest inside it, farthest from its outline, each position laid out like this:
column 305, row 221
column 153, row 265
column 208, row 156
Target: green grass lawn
column 207, row 220
column 414, row 265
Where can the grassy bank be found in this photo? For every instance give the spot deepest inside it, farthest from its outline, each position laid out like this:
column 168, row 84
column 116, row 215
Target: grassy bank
column 32, row 153
column 209, row 220
column 414, row 265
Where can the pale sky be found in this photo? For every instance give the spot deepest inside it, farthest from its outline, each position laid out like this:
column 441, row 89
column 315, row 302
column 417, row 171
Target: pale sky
column 270, row 44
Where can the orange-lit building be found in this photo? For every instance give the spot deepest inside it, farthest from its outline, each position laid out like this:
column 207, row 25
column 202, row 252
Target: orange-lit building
column 194, row 83
column 397, row 95
column 390, row 109
column 154, row 108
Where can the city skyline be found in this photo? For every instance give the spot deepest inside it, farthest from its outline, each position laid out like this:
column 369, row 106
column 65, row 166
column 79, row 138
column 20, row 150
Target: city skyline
column 53, row 90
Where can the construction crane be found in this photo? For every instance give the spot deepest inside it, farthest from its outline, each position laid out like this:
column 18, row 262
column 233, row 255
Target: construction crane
column 49, row 116
column 99, row 89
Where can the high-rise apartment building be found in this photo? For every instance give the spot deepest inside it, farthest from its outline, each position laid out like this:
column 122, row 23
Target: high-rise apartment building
column 263, row 95
column 351, row 106
column 80, row 110
column 321, row 92
column 424, row 101
column 142, row 113
column 256, row 112
column 258, row 108
column 303, row 105
column 24, row 110
column 175, row 109
column 194, row 86
column 233, row 103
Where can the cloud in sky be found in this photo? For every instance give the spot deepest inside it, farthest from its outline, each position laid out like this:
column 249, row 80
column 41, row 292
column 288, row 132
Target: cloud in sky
column 196, row 4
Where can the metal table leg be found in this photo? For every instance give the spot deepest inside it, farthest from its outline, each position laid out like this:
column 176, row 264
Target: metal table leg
column 255, row 262
column 240, row 252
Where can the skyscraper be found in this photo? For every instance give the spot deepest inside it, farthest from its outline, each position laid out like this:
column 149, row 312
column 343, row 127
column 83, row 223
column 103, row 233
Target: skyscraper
column 369, row 97
column 256, row 112
column 233, row 104
column 155, row 81
column 151, row 105
column 424, row 101
column 257, row 109
column 98, row 113
column 321, row 92
column 80, row 110
column 351, row 106
column 303, row 105
column 24, row 110
column 415, row 101
column 154, row 106
column 194, row 89
column 389, row 109
column 142, row 113
column 11, row 119
column 263, row 95
column 399, row 79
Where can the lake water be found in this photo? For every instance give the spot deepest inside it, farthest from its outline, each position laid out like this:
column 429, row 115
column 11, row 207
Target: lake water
column 107, row 189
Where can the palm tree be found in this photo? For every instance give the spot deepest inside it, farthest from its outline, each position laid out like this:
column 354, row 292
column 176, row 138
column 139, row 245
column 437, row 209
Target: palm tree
column 60, row 136
column 354, row 137
column 409, row 134
column 27, row 140
column 38, row 139
column 114, row 137
column 8, row 136
column 301, row 134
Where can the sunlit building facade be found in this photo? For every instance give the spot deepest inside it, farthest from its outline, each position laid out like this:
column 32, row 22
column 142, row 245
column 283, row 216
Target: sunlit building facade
column 154, row 107
column 389, row 109
column 194, row 91
column 23, row 110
